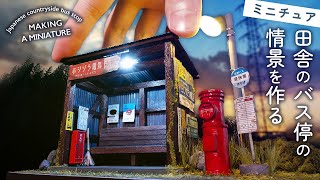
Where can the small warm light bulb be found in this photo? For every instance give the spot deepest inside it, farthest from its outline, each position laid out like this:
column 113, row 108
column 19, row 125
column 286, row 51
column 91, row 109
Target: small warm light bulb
column 210, row 26
column 128, row 63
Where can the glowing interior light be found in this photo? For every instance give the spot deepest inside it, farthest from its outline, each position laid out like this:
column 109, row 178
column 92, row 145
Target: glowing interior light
column 210, row 26
column 128, row 63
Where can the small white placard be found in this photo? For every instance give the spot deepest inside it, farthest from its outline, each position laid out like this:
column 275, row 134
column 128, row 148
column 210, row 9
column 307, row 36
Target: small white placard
column 128, row 112
column 83, row 115
column 246, row 115
column 113, row 113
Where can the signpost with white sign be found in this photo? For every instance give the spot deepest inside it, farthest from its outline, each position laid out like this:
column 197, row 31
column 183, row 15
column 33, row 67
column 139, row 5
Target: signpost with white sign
column 245, row 111
column 240, row 77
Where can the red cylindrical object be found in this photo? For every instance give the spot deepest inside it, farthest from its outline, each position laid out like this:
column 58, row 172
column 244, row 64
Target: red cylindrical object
column 77, row 147
column 215, row 132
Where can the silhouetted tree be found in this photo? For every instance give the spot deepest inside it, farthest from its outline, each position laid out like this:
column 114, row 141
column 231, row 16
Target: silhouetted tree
column 32, row 101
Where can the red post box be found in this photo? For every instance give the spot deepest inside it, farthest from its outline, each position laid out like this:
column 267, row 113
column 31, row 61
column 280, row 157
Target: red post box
column 77, row 147
column 215, row 132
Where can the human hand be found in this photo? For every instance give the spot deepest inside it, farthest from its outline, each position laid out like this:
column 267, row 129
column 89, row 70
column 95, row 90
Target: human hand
column 183, row 19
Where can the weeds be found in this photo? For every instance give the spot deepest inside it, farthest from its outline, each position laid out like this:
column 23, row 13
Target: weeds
column 273, row 152
column 233, row 153
column 266, row 152
column 190, row 147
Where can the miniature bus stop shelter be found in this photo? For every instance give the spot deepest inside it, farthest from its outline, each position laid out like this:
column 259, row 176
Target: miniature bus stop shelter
column 158, row 83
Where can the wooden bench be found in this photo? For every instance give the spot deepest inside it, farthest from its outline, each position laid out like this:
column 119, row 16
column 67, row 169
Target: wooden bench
column 132, row 140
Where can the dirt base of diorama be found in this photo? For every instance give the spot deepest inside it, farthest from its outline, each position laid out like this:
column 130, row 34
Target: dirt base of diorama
column 36, row 176
column 120, row 169
column 254, row 169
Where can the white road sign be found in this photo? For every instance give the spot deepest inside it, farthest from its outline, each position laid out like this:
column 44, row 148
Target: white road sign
column 246, row 115
column 240, row 77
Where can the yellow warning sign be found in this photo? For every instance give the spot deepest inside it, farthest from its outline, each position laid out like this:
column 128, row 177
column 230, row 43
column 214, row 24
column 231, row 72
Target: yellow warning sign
column 69, row 121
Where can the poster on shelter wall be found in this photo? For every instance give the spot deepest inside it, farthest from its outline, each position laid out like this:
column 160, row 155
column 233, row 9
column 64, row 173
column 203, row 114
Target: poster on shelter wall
column 183, row 121
column 128, row 112
column 182, row 126
column 185, row 85
column 69, row 121
column 83, row 114
column 192, row 126
column 113, row 113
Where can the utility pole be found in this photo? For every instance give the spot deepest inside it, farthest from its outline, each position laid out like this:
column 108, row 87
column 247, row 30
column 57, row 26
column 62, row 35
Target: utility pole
column 255, row 64
column 234, row 65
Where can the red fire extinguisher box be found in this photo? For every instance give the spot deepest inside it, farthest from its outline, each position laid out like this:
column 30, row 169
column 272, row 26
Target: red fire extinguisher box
column 77, row 147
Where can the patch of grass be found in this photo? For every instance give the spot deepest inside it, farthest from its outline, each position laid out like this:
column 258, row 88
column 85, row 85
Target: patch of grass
column 244, row 155
column 273, row 152
column 279, row 175
column 185, row 151
column 266, row 152
column 190, row 147
column 233, row 153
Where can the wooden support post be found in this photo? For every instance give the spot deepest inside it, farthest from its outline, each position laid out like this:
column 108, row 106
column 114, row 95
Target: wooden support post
column 143, row 104
column 94, row 108
column 171, row 104
column 65, row 136
column 133, row 159
column 103, row 110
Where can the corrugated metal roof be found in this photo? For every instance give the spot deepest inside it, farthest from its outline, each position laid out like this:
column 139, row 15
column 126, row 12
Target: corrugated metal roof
column 137, row 77
column 135, row 46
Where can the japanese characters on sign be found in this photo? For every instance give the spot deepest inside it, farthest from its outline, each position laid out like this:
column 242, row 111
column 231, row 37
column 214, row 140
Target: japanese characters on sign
column 192, row 126
column 186, row 94
column 94, row 68
column 69, row 121
column 246, row 115
column 303, row 39
column 275, row 57
column 303, row 129
column 240, row 77
column 111, row 63
column 185, row 85
column 282, row 12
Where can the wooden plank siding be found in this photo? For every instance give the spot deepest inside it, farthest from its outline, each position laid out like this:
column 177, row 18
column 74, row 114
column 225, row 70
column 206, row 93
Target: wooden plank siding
column 129, row 150
column 130, row 138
